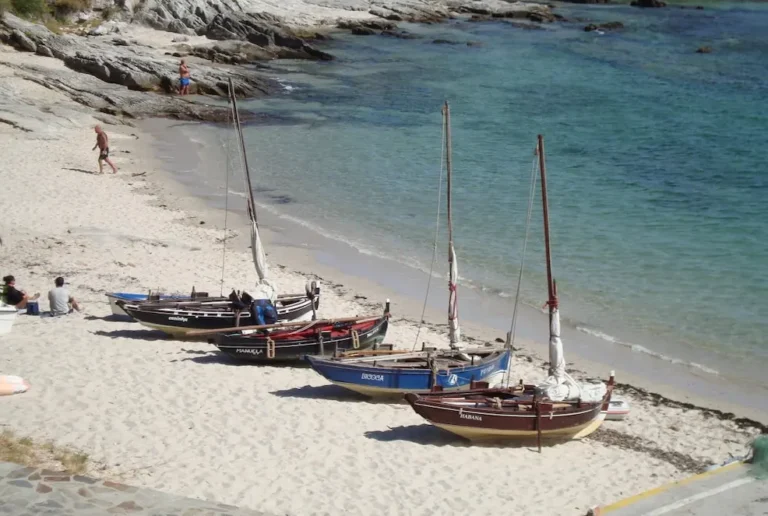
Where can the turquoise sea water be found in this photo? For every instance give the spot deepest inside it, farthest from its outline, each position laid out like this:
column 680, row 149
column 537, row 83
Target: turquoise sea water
column 656, row 158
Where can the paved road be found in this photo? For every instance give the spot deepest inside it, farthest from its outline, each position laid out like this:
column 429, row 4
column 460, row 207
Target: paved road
column 38, row 492
column 731, row 490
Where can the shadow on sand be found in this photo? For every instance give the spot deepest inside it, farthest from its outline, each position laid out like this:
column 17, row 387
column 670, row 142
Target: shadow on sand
column 93, row 173
column 419, row 434
column 109, row 318
column 322, row 392
column 215, row 357
column 150, row 335
column 432, row 436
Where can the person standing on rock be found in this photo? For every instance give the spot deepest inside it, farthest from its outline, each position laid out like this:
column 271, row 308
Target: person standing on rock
column 102, row 142
column 183, row 78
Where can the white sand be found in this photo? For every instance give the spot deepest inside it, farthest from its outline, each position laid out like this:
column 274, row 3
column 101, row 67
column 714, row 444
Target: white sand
column 170, row 415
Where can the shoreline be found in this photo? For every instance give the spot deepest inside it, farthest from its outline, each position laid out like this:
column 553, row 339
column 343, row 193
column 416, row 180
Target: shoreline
column 482, row 316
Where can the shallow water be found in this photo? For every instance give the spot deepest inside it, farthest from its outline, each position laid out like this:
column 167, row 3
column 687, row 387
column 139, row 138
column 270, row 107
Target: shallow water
column 655, row 157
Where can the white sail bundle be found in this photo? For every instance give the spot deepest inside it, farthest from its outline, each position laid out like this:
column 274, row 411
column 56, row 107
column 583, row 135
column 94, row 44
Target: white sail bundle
column 454, row 331
column 264, row 288
column 560, row 386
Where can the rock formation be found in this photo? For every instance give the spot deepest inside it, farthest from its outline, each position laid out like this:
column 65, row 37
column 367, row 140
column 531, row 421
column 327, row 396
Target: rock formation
column 111, row 72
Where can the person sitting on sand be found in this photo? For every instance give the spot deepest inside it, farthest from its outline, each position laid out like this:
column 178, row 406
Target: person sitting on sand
column 60, row 300
column 183, row 78
column 14, row 296
column 102, row 142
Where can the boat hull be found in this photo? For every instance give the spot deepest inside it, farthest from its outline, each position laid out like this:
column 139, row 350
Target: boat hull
column 380, row 381
column 292, row 345
column 474, row 419
column 178, row 321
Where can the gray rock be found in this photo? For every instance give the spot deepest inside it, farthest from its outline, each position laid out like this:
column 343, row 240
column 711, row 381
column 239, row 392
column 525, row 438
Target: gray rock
column 363, row 31
column 401, row 34
column 178, row 27
column 603, row 26
column 367, row 24
column 261, row 31
column 179, row 39
column 22, row 41
column 42, row 50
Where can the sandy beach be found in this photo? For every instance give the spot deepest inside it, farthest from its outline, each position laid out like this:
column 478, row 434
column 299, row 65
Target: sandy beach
column 176, row 416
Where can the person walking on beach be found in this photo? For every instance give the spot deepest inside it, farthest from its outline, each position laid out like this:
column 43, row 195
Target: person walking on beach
column 102, row 142
column 183, row 78
column 14, row 296
column 60, row 300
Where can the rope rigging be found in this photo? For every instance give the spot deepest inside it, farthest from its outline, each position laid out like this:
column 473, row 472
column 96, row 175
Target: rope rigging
column 225, row 146
column 437, row 236
column 513, row 324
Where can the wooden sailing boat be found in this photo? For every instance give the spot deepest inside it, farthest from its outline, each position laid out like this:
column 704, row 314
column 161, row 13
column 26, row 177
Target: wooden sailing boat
column 182, row 316
column 558, row 409
column 394, row 373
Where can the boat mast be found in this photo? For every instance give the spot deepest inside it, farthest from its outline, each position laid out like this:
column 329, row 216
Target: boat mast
column 251, row 203
column 453, row 308
column 551, row 289
column 551, row 285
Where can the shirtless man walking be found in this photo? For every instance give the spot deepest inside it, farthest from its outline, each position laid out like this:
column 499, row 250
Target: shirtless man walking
column 102, row 142
column 183, row 78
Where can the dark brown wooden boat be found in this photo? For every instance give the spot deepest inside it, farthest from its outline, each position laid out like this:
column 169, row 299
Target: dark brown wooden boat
column 295, row 340
column 494, row 414
column 558, row 409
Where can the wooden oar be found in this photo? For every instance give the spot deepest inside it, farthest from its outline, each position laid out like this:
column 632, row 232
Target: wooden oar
column 360, row 319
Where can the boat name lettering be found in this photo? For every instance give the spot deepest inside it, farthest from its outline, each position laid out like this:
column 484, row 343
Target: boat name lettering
column 181, row 319
column 486, row 370
column 374, row 377
column 250, row 351
column 474, row 417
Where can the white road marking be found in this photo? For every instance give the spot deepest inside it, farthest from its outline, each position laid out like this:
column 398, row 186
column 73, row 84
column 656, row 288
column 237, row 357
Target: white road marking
column 700, row 496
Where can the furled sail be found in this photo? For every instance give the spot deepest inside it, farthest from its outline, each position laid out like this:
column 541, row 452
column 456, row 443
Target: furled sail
column 560, row 386
column 556, row 355
column 454, row 331
column 264, row 288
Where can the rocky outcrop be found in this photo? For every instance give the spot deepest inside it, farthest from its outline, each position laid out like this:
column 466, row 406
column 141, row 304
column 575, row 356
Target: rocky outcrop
column 264, row 31
column 116, row 61
column 22, row 41
column 533, row 12
column 112, row 100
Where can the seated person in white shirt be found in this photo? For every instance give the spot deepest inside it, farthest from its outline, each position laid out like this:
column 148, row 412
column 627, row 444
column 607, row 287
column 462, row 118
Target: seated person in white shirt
column 61, row 302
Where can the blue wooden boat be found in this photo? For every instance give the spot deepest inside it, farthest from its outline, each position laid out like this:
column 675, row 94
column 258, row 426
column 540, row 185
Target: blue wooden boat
column 394, row 374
